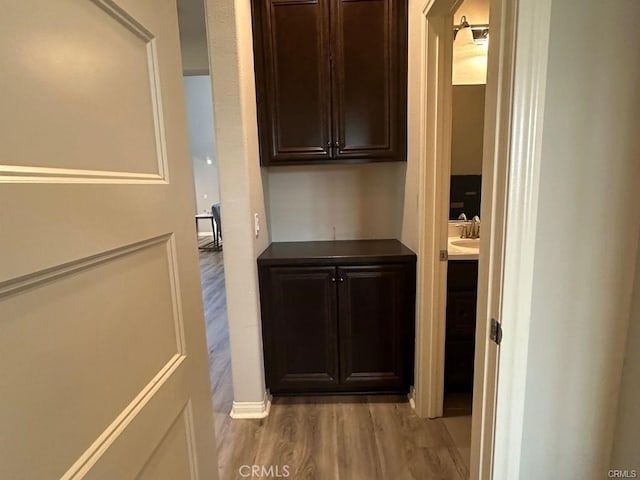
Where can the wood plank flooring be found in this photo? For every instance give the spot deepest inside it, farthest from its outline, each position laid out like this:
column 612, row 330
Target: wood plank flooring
column 325, row 438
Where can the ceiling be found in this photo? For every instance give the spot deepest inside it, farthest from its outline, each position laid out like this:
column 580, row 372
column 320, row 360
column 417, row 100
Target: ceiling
column 191, row 19
column 193, row 37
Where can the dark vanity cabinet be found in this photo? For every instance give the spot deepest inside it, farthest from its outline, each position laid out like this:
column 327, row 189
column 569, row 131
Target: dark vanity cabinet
column 462, row 294
column 338, row 317
column 330, row 80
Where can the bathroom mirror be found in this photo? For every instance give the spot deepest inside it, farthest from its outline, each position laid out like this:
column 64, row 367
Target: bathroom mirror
column 466, row 149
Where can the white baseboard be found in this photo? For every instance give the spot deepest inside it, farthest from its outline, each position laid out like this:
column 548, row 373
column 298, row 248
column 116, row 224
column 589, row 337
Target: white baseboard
column 247, row 410
column 412, row 397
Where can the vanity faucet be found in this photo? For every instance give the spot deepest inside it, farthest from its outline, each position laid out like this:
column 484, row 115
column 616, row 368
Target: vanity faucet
column 474, row 230
column 469, row 229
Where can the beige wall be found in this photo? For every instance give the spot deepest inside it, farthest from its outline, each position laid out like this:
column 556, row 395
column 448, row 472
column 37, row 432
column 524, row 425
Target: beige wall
column 625, row 454
column 229, row 24
column 467, row 129
column 340, row 202
column 476, row 11
column 586, row 241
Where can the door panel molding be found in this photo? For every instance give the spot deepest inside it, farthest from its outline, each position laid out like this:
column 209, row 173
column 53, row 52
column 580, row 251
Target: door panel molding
column 164, row 463
column 102, row 335
column 22, row 174
column 78, row 316
column 37, row 279
column 164, row 380
column 31, row 280
column 55, row 171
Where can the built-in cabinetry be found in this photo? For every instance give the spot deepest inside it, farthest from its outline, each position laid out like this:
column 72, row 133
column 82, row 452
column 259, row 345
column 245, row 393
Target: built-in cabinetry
column 462, row 288
column 338, row 316
column 330, row 80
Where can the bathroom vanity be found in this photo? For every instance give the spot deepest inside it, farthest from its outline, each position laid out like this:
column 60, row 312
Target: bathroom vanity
column 338, row 316
column 462, row 294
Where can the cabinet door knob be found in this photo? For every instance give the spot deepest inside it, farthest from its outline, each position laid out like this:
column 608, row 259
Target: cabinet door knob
column 341, row 279
column 333, row 279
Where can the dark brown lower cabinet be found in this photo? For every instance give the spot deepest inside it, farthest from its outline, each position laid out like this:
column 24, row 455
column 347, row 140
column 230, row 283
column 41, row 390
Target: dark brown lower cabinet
column 375, row 316
column 462, row 293
column 342, row 328
column 302, row 333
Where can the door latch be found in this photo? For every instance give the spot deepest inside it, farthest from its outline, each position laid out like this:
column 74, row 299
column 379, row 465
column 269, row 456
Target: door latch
column 496, row 331
column 444, row 255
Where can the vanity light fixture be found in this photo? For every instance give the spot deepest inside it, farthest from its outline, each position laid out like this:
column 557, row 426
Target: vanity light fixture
column 480, row 32
column 470, row 48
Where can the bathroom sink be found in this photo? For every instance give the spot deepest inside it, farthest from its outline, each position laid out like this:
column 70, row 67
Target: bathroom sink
column 466, row 243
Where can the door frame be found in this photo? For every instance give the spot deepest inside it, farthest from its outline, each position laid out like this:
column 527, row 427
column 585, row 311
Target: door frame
column 436, row 36
column 520, row 117
column 514, row 109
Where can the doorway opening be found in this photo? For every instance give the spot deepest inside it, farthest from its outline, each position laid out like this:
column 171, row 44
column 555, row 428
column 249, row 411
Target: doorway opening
column 206, row 209
column 435, row 179
column 476, row 293
column 469, row 68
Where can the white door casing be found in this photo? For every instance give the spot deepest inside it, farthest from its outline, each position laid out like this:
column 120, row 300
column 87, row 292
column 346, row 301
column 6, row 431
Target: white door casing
column 495, row 170
column 436, row 35
column 103, row 362
column 527, row 31
column 435, row 160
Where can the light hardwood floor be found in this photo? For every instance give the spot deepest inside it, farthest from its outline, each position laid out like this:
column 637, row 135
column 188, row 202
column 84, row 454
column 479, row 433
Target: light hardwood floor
column 325, row 438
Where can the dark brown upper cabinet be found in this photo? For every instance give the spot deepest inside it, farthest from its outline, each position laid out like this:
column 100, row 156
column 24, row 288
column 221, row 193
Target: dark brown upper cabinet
column 330, row 80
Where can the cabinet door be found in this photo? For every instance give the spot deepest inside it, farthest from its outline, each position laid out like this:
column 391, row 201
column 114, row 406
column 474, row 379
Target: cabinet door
column 291, row 46
column 461, row 315
column 376, row 305
column 299, row 327
column 462, row 286
column 369, row 79
column 458, row 366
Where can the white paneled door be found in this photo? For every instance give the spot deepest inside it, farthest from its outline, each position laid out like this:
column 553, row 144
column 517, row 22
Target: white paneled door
column 103, row 362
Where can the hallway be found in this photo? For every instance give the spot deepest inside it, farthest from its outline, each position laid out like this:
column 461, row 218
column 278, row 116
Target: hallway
column 325, row 438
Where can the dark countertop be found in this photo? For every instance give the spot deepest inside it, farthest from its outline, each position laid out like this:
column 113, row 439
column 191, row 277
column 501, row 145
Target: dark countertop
column 334, row 252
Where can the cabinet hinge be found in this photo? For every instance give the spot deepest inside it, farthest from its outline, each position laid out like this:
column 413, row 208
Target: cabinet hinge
column 444, row 255
column 496, row 331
